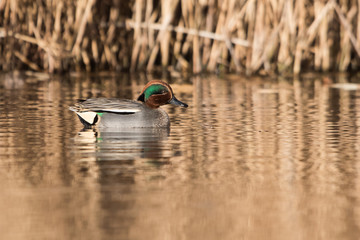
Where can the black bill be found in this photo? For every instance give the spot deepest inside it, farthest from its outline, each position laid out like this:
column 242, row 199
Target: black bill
column 176, row 102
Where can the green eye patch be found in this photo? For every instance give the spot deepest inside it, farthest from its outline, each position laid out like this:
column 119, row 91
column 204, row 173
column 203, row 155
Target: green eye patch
column 155, row 89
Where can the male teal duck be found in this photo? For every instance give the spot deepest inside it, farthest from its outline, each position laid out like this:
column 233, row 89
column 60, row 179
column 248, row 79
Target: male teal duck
column 116, row 113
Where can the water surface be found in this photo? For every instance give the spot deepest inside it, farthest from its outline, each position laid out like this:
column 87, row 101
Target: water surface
column 251, row 158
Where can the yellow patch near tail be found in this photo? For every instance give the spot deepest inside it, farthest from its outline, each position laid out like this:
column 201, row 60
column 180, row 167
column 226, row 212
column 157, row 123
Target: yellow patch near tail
column 88, row 117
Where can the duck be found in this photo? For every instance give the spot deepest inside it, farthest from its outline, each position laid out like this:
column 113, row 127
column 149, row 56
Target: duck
column 145, row 112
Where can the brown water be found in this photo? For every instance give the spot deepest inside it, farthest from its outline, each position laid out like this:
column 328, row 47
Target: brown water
column 249, row 159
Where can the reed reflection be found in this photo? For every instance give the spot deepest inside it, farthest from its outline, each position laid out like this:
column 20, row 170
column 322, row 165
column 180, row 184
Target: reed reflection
column 255, row 158
column 295, row 141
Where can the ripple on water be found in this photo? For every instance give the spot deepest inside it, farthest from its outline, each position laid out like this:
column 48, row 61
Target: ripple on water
column 243, row 159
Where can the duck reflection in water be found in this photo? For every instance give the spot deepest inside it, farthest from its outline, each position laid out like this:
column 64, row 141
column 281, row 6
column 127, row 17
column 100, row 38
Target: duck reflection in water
column 124, row 144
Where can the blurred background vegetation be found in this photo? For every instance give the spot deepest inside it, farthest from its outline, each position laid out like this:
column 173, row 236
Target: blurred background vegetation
column 189, row 36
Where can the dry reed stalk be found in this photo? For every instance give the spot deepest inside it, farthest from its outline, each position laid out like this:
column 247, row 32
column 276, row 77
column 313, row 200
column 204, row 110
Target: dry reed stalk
column 114, row 15
column 240, row 32
column 324, row 46
column 287, row 25
column 216, row 47
column 197, row 54
column 191, row 32
column 358, row 28
column 137, row 34
column 318, row 5
column 231, row 20
column 166, row 19
column 209, row 28
column 145, row 38
column 32, row 65
column 250, row 19
column 81, row 26
column 166, row 13
column 150, row 18
column 345, row 43
column 347, row 26
column 300, row 14
column 184, row 65
column 260, row 33
column 257, row 36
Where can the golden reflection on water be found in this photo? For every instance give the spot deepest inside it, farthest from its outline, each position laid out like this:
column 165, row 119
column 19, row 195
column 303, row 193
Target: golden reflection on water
column 249, row 159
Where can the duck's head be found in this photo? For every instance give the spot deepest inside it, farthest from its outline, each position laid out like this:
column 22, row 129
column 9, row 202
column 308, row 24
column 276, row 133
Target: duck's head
column 157, row 93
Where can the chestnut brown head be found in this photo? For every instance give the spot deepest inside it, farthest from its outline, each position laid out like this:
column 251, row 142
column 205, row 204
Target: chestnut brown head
column 157, row 93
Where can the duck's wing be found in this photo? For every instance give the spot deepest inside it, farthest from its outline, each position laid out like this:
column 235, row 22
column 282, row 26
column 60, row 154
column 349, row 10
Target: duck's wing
column 101, row 105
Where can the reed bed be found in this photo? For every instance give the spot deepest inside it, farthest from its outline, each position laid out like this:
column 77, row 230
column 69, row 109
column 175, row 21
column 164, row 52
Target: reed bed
column 255, row 36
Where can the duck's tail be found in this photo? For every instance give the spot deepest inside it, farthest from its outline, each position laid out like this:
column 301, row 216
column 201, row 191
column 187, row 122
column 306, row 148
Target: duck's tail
column 88, row 119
